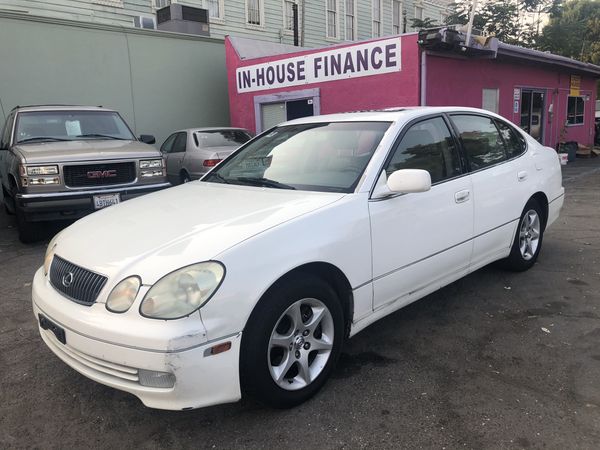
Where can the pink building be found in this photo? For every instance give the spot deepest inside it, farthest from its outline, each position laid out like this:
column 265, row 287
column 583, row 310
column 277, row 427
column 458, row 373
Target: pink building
column 551, row 97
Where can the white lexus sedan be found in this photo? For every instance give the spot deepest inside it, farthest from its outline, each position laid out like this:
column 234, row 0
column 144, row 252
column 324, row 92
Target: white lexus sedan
column 248, row 281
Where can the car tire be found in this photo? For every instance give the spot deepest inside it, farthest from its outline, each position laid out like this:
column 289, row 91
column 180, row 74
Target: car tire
column 185, row 177
column 291, row 342
column 527, row 242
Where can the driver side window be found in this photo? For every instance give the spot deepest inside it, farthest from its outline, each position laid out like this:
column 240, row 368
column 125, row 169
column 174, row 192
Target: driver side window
column 427, row 145
column 168, row 144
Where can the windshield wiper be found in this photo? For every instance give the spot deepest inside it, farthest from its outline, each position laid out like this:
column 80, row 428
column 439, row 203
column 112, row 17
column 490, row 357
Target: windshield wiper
column 256, row 181
column 105, row 136
column 42, row 138
column 219, row 177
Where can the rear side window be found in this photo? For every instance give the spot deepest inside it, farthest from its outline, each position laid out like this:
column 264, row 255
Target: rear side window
column 180, row 143
column 515, row 144
column 427, row 145
column 481, row 140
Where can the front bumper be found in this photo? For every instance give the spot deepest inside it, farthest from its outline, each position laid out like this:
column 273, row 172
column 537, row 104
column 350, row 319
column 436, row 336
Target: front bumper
column 201, row 378
column 75, row 204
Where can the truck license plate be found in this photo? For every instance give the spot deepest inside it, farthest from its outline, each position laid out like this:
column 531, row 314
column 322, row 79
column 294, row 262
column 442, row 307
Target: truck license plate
column 102, row 201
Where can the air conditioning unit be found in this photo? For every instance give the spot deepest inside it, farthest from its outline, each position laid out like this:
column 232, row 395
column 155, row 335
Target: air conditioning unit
column 147, row 22
column 183, row 19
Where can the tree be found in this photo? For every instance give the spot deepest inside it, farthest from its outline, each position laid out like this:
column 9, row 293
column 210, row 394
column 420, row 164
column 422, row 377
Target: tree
column 574, row 31
column 427, row 22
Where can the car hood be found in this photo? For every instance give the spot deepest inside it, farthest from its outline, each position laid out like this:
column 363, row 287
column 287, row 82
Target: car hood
column 155, row 234
column 84, row 150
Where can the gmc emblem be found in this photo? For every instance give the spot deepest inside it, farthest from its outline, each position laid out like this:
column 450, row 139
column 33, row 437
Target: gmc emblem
column 102, row 173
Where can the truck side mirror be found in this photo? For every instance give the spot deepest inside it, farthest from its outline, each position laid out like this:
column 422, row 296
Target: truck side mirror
column 147, row 139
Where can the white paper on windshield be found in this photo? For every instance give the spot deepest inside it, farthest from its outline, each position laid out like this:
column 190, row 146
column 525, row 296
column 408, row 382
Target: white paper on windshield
column 73, row 127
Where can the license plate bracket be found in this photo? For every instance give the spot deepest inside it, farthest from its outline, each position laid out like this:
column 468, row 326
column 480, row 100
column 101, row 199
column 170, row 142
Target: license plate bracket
column 47, row 324
column 102, row 201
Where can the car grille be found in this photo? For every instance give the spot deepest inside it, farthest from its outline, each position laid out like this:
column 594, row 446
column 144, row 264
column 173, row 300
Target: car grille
column 76, row 283
column 99, row 174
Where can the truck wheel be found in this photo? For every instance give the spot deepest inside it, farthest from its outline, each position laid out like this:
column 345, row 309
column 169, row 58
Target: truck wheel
column 185, row 177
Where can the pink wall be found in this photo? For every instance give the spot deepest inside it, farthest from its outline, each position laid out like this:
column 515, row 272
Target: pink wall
column 371, row 92
column 452, row 82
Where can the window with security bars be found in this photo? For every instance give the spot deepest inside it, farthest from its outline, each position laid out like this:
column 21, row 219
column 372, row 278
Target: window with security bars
column 575, row 110
column 254, row 12
column 396, row 17
column 350, row 20
column 376, row 12
column 288, row 14
column 161, row 3
column 332, row 30
column 214, row 9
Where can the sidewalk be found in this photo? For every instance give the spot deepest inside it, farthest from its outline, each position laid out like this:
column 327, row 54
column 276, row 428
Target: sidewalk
column 580, row 167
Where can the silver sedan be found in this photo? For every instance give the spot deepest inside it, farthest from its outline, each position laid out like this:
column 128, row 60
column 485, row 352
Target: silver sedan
column 190, row 153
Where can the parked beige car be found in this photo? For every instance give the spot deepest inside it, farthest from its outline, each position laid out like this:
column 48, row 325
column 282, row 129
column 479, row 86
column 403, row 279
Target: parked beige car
column 193, row 152
column 63, row 162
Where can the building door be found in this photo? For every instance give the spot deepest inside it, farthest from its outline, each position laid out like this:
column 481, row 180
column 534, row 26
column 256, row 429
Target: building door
column 274, row 113
column 533, row 113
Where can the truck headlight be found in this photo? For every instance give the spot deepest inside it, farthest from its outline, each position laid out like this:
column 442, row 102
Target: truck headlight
column 182, row 292
column 42, row 170
column 151, row 164
column 123, row 295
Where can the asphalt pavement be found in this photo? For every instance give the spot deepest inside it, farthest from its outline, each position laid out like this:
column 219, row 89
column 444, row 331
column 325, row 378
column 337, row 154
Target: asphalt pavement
column 495, row 360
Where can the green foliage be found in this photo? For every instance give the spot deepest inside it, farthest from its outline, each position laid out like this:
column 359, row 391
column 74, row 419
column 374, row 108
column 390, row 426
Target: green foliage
column 574, row 31
column 427, row 22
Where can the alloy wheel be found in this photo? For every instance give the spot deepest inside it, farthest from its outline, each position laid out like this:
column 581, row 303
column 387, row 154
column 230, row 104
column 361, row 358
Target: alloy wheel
column 529, row 234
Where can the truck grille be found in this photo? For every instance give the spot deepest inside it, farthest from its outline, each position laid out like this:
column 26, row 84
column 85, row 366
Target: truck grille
column 76, row 283
column 98, row 174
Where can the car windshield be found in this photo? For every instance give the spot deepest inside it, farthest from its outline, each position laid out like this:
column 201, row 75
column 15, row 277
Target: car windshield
column 220, row 138
column 327, row 157
column 40, row 126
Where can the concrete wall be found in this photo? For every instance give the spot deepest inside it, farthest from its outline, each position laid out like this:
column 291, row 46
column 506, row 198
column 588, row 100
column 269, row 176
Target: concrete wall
column 453, row 81
column 160, row 82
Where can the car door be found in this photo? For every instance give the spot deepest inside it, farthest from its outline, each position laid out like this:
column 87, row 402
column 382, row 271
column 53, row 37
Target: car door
column 175, row 154
column 499, row 185
column 422, row 241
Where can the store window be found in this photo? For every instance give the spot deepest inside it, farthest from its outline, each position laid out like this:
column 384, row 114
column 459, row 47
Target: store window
column 489, row 100
column 575, row 110
column 332, row 18
column 215, row 8
column 376, row 13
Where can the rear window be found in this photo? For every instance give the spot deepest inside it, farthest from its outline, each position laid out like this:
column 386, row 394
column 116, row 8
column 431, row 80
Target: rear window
column 223, row 138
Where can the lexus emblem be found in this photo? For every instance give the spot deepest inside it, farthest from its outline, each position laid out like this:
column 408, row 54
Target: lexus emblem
column 67, row 279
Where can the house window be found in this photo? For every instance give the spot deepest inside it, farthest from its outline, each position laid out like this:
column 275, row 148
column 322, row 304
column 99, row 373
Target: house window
column 332, row 29
column 376, row 12
column 350, row 20
column 161, row 3
column 575, row 110
column 254, row 12
column 288, row 15
column 419, row 12
column 396, row 17
column 148, row 22
column 215, row 8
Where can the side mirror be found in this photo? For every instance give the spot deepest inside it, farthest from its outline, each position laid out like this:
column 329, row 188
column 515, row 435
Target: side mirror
column 147, row 139
column 406, row 181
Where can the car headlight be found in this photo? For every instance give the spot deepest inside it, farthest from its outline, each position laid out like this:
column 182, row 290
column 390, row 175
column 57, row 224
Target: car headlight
column 123, row 295
column 182, row 292
column 49, row 256
column 151, row 164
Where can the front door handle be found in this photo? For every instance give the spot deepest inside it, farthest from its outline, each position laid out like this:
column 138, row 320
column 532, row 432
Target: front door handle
column 462, row 196
column 522, row 176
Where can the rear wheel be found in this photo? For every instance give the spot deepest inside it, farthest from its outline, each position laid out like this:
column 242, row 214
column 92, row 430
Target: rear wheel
column 527, row 243
column 185, row 177
column 291, row 342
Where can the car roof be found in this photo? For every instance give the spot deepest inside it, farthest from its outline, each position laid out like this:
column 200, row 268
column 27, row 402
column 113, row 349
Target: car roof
column 194, row 130
column 30, row 108
column 387, row 115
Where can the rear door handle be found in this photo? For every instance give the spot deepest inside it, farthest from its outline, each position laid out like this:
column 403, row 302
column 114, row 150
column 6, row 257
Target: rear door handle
column 522, row 176
column 462, row 196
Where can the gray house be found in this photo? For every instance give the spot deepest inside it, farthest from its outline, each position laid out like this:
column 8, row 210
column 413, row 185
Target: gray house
column 321, row 22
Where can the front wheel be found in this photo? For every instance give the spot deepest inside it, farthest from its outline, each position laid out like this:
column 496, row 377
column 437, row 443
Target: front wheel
column 291, row 342
column 528, row 239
